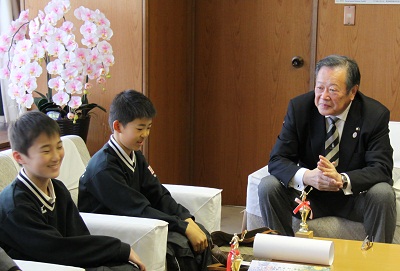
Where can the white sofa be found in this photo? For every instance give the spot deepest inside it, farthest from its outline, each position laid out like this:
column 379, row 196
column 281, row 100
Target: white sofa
column 148, row 237
column 331, row 227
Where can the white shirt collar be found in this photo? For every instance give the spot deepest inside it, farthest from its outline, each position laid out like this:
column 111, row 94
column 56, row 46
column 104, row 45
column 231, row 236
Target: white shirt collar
column 47, row 201
column 129, row 162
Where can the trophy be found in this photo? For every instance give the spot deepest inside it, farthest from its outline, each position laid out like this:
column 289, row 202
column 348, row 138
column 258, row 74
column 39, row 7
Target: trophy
column 305, row 210
column 234, row 258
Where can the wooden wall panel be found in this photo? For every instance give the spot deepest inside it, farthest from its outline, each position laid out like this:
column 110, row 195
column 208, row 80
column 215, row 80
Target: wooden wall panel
column 374, row 42
column 126, row 22
column 169, row 86
column 243, row 82
column 219, row 74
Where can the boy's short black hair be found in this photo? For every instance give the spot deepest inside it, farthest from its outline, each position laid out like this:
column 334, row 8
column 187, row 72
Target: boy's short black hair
column 29, row 126
column 128, row 106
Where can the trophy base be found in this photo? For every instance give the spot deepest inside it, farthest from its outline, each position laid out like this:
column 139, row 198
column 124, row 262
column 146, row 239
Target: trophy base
column 307, row 234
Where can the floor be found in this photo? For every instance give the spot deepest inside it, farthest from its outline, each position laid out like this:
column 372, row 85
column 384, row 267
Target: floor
column 231, row 218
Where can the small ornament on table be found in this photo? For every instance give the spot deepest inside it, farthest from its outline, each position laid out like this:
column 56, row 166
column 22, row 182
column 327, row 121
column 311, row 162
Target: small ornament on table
column 234, row 258
column 305, row 210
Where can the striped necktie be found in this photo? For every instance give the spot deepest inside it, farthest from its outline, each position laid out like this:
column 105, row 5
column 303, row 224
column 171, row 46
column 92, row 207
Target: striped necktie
column 332, row 141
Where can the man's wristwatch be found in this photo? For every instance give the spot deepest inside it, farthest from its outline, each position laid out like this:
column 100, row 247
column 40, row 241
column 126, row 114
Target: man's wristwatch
column 344, row 180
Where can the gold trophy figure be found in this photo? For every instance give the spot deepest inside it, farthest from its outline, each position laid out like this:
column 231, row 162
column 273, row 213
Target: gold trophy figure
column 304, row 209
column 234, row 257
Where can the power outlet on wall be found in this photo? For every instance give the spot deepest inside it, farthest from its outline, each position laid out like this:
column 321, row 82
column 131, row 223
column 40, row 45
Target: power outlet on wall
column 349, row 15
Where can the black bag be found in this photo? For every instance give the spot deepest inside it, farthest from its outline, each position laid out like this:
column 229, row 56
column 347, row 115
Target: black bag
column 221, row 238
column 122, row 267
column 221, row 241
column 180, row 255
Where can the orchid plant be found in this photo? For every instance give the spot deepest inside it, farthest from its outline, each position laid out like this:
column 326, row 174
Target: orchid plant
column 48, row 42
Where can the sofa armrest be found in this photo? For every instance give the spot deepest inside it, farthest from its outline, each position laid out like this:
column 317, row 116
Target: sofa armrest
column 148, row 237
column 204, row 203
column 39, row 266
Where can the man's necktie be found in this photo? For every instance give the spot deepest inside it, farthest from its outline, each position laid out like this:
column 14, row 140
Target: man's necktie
column 332, row 141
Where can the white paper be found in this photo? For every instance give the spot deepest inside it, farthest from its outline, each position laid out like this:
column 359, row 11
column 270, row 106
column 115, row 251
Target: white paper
column 293, row 249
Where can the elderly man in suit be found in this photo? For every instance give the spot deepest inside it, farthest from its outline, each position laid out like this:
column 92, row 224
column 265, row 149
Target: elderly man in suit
column 334, row 140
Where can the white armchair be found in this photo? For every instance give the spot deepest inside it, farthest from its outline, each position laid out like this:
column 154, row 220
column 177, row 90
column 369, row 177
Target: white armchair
column 203, row 202
column 148, row 237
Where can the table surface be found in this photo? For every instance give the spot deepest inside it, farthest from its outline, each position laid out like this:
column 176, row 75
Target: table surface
column 349, row 256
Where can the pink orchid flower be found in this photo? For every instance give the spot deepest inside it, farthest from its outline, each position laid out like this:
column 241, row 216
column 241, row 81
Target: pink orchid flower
column 55, row 67
column 104, row 48
column 56, row 83
column 15, row 91
column 55, row 49
column 61, row 98
column 33, row 69
column 4, row 73
column 69, row 73
column 30, row 84
column 37, row 51
column 75, row 102
column 48, row 39
column 25, row 100
column 67, row 26
column 74, row 87
column 21, row 60
column 90, row 40
column 17, row 76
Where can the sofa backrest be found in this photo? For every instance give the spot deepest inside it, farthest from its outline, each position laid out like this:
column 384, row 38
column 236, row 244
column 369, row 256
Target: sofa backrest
column 9, row 168
column 75, row 160
column 74, row 164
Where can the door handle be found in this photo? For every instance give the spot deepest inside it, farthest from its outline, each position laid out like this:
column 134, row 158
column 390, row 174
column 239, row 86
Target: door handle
column 297, row 62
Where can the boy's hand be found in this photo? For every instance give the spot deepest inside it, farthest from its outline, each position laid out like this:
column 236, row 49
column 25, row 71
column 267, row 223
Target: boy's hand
column 196, row 236
column 133, row 257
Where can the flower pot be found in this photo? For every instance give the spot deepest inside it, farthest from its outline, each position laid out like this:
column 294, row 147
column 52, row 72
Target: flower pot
column 80, row 128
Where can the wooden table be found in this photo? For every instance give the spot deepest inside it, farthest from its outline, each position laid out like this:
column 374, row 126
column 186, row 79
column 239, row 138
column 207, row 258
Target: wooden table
column 349, row 256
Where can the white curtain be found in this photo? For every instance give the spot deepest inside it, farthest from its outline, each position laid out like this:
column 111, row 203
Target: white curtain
column 7, row 9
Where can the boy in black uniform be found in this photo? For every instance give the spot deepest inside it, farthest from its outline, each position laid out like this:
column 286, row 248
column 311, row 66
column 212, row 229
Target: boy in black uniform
column 38, row 219
column 119, row 181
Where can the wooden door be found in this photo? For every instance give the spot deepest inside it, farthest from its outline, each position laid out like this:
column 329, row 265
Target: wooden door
column 373, row 42
column 169, row 83
column 243, row 80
